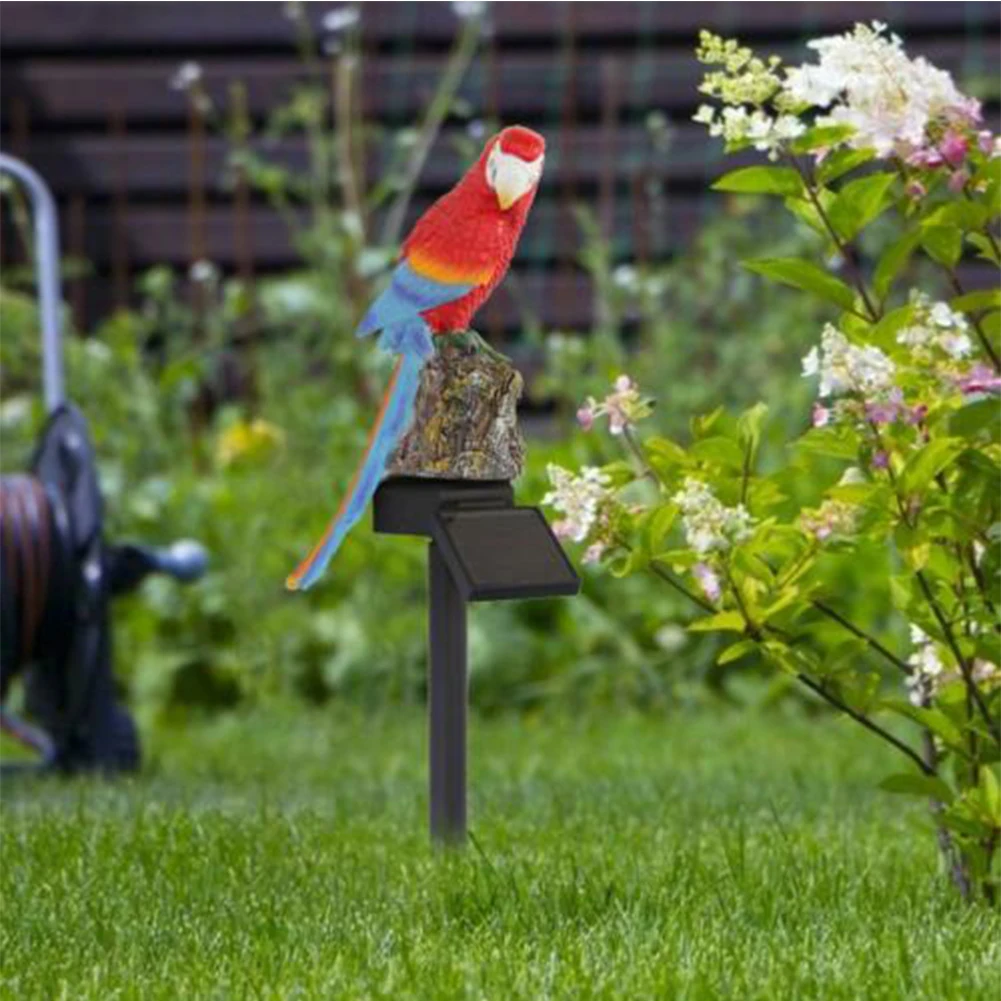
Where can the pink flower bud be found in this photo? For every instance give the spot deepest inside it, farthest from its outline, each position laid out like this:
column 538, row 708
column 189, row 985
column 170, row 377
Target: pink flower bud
column 925, row 158
column 585, row 418
column 915, row 189
column 821, row 415
column 970, row 110
column 954, row 148
column 980, row 379
column 623, row 384
column 881, row 411
column 985, row 141
column 881, row 460
column 958, row 181
column 708, row 581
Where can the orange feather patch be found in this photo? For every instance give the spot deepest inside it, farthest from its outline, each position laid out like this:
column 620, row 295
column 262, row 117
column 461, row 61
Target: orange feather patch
column 437, row 270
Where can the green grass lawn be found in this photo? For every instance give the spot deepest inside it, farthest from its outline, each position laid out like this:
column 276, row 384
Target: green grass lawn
column 285, row 856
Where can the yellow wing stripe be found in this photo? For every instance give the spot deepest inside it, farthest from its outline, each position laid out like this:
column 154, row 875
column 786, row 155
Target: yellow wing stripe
column 449, row 274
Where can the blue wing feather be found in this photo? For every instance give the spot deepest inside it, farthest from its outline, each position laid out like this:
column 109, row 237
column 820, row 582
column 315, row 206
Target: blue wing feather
column 397, row 313
column 408, row 295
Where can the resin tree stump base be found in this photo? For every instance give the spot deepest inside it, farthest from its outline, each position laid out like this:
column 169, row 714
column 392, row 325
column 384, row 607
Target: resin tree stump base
column 465, row 417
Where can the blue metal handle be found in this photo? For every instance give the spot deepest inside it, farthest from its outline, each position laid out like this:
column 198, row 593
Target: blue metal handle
column 43, row 207
column 185, row 560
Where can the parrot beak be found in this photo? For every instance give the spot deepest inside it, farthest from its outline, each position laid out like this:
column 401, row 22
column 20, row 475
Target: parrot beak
column 512, row 178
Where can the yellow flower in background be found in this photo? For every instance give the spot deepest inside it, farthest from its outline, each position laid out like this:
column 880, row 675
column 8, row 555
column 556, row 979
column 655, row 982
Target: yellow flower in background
column 248, row 441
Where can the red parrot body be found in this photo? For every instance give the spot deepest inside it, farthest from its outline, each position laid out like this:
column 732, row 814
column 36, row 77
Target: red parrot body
column 456, row 255
column 466, row 235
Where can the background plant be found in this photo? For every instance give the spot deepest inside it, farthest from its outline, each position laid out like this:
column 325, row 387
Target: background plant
column 901, row 467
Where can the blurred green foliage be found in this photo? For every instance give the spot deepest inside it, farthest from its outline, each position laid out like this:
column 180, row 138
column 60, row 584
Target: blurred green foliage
column 244, row 446
column 234, row 413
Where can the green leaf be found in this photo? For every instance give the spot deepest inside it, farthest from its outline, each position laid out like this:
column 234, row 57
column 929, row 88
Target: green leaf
column 943, row 244
column 932, row 719
column 630, row 564
column 702, row 424
column 894, row 259
column 720, row 622
column 784, row 657
column 789, row 596
column 720, row 450
column 923, row 466
column 987, row 250
column 676, row 559
column 965, row 215
column 820, row 136
column 665, row 456
column 859, row 202
column 884, row 334
column 990, row 792
column 838, row 442
column 659, row 525
column 975, row 417
column 749, row 425
column 806, row 276
column 978, row 302
column 807, row 211
column 761, row 181
column 735, row 651
column 918, row 784
column 842, row 162
column 619, row 473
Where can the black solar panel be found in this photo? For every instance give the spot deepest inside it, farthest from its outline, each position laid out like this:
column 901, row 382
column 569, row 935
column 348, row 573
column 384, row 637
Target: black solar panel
column 504, row 553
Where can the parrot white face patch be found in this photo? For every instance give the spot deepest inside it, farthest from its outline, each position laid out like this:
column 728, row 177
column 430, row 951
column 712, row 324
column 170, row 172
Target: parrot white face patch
column 510, row 176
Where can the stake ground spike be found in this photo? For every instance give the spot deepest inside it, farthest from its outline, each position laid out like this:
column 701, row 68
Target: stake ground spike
column 482, row 548
column 447, row 700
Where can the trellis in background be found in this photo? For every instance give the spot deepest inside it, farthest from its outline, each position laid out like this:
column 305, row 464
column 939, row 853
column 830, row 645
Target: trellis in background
column 85, row 99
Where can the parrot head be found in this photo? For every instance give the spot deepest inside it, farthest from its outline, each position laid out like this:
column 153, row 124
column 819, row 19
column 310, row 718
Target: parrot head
column 512, row 164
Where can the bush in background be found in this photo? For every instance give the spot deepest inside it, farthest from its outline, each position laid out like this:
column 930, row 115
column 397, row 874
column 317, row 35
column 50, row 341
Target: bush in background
column 901, row 470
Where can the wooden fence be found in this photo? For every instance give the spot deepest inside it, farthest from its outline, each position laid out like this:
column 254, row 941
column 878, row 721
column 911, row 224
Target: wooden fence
column 86, row 99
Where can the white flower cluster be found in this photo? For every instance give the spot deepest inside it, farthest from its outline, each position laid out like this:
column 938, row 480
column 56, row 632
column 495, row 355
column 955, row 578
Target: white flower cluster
column 578, row 498
column 872, row 85
column 926, row 668
column 767, row 133
column 844, row 367
column 936, row 325
column 864, row 80
column 986, row 673
column 744, row 79
column 709, row 525
column 189, row 78
column 203, row 272
column 833, row 519
column 186, row 76
column 633, row 282
column 465, row 10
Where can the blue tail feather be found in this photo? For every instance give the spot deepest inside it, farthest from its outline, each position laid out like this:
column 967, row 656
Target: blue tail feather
column 393, row 422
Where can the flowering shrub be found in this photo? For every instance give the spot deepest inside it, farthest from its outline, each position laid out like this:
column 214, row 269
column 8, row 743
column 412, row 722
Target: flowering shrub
column 903, row 457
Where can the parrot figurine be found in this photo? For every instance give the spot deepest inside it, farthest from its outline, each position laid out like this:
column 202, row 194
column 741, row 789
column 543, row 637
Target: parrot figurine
column 456, row 255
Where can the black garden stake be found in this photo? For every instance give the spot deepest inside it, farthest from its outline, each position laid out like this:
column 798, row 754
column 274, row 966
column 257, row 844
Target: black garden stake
column 482, row 548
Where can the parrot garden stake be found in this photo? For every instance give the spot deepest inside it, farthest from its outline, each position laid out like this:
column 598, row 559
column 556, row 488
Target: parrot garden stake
column 456, row 255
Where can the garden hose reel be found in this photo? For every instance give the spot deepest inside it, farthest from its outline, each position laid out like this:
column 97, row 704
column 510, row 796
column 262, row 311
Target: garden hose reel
column 57, row 572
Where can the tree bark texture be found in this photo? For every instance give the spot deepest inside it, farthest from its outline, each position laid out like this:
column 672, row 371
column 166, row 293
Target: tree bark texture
column 465, row 417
